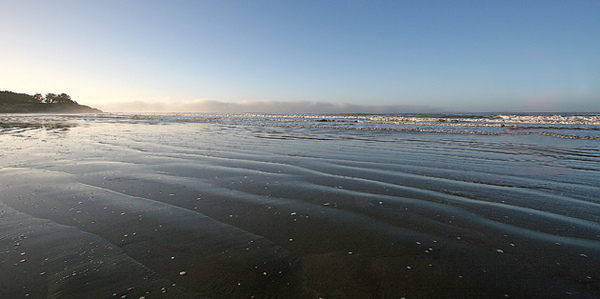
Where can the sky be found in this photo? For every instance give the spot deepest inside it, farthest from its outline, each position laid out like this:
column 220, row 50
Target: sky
column 306, row 56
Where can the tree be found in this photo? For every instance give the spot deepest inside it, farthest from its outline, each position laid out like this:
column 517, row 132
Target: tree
column 64, row 98
column 38, row 97
column 50, row 98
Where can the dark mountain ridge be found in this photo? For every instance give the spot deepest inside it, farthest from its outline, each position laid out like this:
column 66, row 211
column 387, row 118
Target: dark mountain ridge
column 12, row 102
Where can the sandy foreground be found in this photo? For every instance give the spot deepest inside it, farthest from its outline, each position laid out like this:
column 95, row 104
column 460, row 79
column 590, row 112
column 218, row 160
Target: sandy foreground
column 131, row 209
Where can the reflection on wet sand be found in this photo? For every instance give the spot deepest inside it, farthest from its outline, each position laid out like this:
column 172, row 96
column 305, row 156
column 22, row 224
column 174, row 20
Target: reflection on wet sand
column 20, row 124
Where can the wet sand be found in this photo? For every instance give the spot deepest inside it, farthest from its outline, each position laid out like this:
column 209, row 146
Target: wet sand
column 100, row 209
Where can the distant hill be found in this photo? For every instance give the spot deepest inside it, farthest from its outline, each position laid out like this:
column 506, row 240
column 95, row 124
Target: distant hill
column 12, row 102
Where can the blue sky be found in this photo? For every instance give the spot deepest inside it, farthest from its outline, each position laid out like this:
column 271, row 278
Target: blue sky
column 371, row 55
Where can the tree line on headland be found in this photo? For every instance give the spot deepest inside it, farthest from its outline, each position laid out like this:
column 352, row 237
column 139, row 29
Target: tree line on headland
column 12, row 102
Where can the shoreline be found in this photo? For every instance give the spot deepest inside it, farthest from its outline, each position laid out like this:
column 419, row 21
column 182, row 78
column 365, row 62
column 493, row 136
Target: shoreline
column 424, row 216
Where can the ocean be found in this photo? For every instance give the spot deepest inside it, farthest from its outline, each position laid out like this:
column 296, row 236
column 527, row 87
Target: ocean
column 485, row 205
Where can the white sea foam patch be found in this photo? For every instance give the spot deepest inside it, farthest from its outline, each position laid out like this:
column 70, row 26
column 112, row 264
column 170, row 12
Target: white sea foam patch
column 266, row 106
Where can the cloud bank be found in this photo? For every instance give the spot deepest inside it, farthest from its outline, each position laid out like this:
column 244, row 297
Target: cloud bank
column 264, row 106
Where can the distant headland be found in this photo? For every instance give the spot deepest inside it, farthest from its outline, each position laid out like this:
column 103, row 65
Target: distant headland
column 12, row 102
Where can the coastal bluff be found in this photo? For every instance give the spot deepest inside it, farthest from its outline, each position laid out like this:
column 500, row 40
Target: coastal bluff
column 12, row 102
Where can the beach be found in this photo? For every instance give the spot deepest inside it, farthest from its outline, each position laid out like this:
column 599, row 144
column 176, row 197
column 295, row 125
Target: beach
column 304, row 206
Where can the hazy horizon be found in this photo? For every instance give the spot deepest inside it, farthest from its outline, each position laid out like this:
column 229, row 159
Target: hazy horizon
column 297, row 56
column 268, row 106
